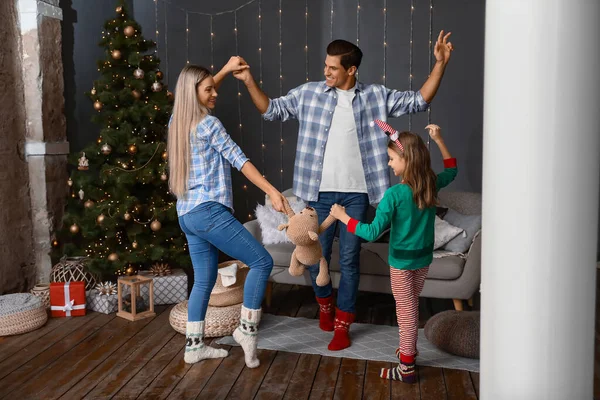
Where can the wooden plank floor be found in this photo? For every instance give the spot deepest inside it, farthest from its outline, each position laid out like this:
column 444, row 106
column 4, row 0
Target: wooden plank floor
column 101, row 356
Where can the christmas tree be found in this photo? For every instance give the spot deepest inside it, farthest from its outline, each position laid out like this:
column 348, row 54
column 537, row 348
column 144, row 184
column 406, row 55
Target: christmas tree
column 119, row 212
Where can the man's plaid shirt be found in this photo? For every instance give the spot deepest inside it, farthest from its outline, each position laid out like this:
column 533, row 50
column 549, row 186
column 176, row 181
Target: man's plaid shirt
column 313, row 104
column 212, row 151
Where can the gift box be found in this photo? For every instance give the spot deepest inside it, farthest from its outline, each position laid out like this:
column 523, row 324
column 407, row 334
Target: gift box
column 102, row 303
column 67, row 299
column 168, row 289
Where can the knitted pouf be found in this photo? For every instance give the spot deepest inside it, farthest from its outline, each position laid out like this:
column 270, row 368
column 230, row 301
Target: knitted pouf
column 223, row 296
column 455, row 332
column 219, row 321
column 21, row 313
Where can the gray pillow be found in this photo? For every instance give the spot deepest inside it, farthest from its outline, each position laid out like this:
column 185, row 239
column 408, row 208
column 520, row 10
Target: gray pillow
column 471, row 224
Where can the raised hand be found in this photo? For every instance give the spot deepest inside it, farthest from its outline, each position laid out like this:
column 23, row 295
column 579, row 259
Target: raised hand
column 435, row 132
column 243, row 75
column 236, row 64
column 443, row 48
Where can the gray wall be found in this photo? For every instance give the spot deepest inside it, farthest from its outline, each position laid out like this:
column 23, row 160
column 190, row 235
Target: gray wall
column 17, row 259
column 457, row 107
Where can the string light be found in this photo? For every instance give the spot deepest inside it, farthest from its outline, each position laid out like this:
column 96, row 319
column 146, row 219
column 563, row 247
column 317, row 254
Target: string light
column 156, row 26
column 306, row 49
column 212, row 52
column 281, row 89
column 187, row 38
column 260, row 72
column 357, row 22
column 430, row 51
column 384, row 39
column 306, row 36
column 331, row 24
column 410, row 60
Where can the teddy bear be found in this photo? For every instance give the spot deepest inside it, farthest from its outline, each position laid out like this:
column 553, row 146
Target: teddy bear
column 303, row 230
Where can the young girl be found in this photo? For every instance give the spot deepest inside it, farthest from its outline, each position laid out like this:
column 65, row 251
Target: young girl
column 200, row 153
column 410, row 209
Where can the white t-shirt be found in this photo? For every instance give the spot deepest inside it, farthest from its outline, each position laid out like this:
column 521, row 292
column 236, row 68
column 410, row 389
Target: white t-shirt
column 342, row 164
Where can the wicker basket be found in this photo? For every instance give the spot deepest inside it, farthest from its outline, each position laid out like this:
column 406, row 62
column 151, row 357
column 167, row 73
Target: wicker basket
column 222, row 296
column 42, row 290
column 21, row 313
column 219, row 321
column 70, row 269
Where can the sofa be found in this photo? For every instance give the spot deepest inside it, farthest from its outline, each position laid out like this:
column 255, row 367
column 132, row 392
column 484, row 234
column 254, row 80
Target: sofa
column 453, row 277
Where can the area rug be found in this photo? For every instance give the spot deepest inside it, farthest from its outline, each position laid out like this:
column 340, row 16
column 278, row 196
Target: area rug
column 369, row 342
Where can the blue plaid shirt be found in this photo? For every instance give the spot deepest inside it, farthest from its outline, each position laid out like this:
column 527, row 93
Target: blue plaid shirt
column 313, row 104
column 212, row 151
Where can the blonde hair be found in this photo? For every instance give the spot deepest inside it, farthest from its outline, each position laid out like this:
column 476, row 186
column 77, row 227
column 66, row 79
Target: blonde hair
column 418, row 174
column 187, row 113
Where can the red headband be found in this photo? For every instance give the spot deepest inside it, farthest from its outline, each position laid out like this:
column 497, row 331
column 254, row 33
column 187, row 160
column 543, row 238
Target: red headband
column 391, row 132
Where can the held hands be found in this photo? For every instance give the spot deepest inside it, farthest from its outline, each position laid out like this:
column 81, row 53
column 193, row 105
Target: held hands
column 339, row 213
column 278, row 201
column 235, row 65
column 443, row 48
column 243, row 72
column 435, row 132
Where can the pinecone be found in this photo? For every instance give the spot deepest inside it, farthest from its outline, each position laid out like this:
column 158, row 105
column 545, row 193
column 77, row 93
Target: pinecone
column 106, row 288
column 160, row 269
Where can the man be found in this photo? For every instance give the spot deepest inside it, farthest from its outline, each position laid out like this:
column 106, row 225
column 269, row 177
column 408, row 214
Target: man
column 340, row 158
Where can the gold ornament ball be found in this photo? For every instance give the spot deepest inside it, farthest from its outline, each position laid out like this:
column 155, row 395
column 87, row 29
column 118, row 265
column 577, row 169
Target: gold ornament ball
column 119, row 9
column 132, row 149
column 130, row 271
column 106, row 149
column 163, row 177
column 156, row 87
column 97, row 105
column 88, row 204
column 159, row 75
column 74, row 229
column 55, row 243
column 155, row 225
column 127, row 216
column 138, row 73
column 113, row 257
column 116, row 54
column 136, row 94
column 94, row 91
column 134, row 245
column 100, row 218
column 165, row 155
column 129, row 31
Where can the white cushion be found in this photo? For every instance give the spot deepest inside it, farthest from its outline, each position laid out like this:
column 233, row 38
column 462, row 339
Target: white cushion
column 269, row 220
column 444, row 232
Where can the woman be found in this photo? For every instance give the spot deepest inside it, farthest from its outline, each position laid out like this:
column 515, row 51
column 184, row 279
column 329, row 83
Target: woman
column 200, row 154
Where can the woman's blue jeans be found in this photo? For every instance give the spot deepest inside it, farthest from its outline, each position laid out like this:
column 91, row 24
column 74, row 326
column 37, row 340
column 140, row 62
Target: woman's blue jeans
column 211, row 227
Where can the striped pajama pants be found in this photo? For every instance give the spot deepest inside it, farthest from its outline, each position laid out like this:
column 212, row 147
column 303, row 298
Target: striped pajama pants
column 406, row 287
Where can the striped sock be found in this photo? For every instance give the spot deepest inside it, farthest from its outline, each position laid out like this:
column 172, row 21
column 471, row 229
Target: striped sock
column 402, row 372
